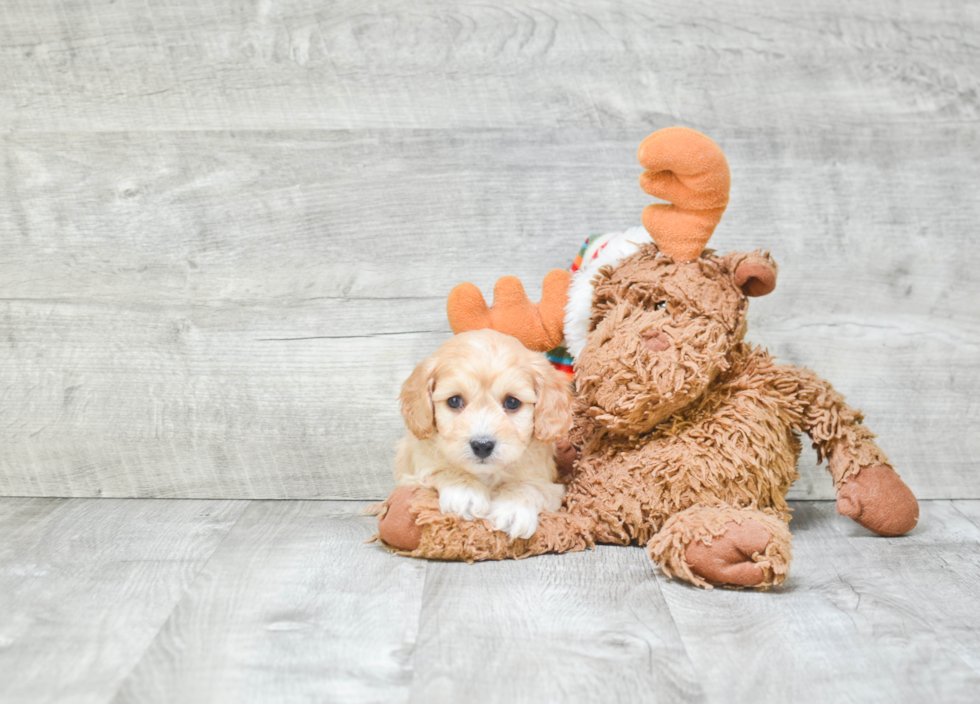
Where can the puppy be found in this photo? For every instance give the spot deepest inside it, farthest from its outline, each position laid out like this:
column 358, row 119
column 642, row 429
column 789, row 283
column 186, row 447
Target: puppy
column 483, row 413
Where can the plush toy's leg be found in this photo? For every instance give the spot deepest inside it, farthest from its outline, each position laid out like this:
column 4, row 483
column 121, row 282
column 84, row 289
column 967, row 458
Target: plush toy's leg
column 410, row 522
column 721, row 545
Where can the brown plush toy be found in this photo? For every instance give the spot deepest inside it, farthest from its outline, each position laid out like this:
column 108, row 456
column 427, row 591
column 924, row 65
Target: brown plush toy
column 685, row 437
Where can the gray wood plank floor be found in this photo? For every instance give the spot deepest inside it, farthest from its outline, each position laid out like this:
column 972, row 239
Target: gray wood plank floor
column 86, row 585
column 212, row 602
column 229, row 227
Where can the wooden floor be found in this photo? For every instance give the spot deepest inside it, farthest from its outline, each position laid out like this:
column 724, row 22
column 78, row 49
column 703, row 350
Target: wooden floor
column 114, row 600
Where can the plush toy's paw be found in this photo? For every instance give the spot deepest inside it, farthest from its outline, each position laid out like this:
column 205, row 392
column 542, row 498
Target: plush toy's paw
column 397, row 526
column 513, row 518
column 466, row 502
column 565, row 457
column 879, row 500
column 729, row 557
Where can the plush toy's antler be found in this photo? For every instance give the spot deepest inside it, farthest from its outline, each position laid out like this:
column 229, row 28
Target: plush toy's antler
column 537, row 326
column 689, row 170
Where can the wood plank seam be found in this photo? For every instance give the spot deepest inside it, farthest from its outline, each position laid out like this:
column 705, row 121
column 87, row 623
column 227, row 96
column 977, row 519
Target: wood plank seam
column 179, row 600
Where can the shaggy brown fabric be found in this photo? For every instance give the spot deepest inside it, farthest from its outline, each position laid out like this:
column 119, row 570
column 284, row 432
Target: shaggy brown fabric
column 685, row 437
column 678, row 443
column 453, row 538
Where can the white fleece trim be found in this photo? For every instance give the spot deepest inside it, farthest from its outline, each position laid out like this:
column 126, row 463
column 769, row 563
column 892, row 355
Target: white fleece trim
column 578, row 311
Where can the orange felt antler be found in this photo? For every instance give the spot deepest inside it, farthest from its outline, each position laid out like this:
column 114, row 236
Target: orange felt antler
column 689, row 170
column 538, row 326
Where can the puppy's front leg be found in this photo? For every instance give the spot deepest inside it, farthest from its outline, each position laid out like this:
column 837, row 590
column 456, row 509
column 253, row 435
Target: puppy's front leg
column 516, row 506
column 462, row 494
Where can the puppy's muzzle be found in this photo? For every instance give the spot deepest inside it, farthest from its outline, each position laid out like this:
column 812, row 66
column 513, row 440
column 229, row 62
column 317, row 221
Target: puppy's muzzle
column 482, row 447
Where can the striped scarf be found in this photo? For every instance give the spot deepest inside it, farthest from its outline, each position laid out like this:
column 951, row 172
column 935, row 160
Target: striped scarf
column 559, row 357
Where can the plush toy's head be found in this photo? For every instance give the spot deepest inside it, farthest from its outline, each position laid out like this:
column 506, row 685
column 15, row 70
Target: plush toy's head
column 660, row 332
column 663, row 312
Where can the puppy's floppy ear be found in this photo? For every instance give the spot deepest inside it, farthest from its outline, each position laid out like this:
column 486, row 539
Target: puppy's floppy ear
column 553, row 410
column 416, row 399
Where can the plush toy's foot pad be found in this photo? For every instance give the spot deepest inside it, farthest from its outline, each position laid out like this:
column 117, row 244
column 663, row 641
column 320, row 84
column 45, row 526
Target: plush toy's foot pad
column 724, row 546
column 728, row 558
column 396, row 525
column 879, row 500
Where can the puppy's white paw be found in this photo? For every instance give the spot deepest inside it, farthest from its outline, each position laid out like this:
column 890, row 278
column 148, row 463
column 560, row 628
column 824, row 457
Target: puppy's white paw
column 464, row 502
column 513, row 518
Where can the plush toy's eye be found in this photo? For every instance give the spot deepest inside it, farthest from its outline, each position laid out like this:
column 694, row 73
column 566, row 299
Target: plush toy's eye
column 511, row 403
column 660, row 305
column 455, row 402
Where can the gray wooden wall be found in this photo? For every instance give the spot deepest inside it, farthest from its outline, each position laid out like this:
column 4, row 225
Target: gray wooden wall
column 227, row 229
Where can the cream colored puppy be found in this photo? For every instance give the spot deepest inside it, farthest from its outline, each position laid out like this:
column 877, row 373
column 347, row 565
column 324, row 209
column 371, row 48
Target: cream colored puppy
column 483, row 413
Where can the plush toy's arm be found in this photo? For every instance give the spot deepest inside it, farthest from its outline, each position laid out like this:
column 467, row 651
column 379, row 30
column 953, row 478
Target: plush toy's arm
column 835, row 428
column 868, row 489
column 410, row 521
column 537, row 326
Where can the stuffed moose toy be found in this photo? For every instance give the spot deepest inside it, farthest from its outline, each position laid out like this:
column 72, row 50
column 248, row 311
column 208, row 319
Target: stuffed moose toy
column 685, row 437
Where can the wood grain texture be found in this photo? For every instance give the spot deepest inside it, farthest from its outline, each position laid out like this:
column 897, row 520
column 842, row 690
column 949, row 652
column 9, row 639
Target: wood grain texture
column 231, row 226
column 86, row 585
column 293, row 606
column 861, row 618
column 264, row 360
column 174, row 601
column 268, row 64
column 582, row 627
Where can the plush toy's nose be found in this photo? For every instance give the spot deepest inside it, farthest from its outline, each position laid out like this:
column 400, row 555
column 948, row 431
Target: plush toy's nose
column 482, row 447
column 656, row 341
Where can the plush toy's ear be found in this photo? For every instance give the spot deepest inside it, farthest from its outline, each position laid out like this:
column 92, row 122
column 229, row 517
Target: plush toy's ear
column 553, row 409
column 416, row 400
column 754, row 273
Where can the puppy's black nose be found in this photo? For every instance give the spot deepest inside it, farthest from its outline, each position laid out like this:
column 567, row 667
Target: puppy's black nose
column 482, row 447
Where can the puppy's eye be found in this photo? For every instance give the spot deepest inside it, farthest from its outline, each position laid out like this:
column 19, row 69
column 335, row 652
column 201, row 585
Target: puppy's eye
column 511, row 403
column 455, row 402
column 660, row 305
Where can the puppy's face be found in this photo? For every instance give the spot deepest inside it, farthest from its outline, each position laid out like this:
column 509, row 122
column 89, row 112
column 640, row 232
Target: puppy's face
column 482, row 399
